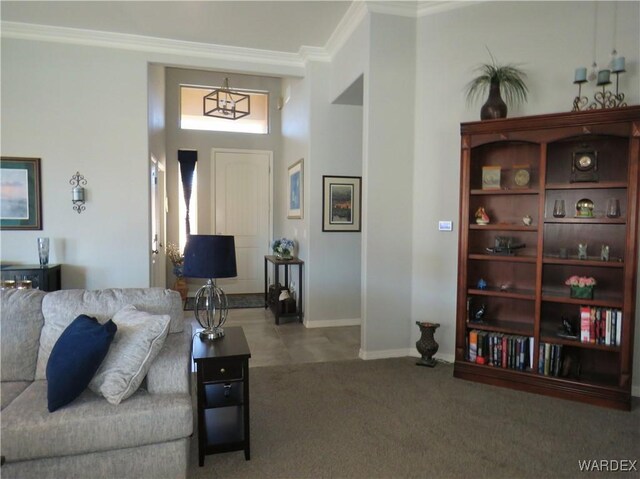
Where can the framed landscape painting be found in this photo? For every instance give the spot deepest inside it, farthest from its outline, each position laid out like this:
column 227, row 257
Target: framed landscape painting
column 341, row 203
column 295, row 197
column 20, row 194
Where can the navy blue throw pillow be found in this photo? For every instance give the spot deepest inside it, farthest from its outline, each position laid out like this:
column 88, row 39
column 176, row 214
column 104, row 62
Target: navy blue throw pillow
column 75, row 358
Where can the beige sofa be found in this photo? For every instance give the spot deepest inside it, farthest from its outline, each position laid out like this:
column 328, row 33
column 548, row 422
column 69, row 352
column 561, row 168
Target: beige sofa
column 146, row 435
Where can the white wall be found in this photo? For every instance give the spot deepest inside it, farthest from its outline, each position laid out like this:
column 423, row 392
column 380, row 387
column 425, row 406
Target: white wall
column 295, row 146
column 549, row 40
column 85, row 108
column 334, row 267
column 81, row 109
column 387, row 185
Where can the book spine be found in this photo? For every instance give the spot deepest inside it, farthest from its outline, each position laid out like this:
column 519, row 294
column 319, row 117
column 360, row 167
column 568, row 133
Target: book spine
column 505, row 351
column 473, row 345
column 547, row 358
column 592, row 325
column 557, row 365
column 607, row 334
column 618, row 327
column 585, row 316
column 541, row 359
column 480, row 359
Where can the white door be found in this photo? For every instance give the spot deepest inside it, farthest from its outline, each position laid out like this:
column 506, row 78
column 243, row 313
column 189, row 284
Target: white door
column 158, row 213
column 242, row 185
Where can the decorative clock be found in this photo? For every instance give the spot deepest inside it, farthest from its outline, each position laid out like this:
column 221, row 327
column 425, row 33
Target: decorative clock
column 521, row 176
column 584, row 166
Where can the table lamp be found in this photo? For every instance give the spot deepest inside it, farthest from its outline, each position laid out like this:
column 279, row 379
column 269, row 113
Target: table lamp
column 211, row 257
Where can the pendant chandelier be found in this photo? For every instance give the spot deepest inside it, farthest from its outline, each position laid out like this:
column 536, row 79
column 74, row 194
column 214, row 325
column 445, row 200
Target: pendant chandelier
column 226, row 103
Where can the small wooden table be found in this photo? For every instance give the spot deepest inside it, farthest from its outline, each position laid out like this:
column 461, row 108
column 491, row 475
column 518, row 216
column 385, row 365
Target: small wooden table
column 222, row 367
column 275, row 306
column 46, row 278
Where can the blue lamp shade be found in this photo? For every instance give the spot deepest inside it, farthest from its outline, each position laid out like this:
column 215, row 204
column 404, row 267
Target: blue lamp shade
column 210, row 256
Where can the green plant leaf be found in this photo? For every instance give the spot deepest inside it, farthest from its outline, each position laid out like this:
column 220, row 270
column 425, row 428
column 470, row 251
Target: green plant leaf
column 511, row 78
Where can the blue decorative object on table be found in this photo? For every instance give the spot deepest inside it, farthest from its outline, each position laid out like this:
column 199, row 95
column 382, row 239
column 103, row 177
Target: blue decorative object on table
column 283, row 248
column 482, row 284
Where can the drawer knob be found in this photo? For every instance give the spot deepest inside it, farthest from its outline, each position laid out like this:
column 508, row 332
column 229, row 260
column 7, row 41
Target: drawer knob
column 222, row 370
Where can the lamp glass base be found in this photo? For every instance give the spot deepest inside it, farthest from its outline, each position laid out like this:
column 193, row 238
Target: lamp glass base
column 213, row 333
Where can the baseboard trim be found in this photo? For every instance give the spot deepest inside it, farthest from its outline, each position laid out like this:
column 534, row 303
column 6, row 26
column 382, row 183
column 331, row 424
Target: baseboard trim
column 386, row 353
column 400, row 353
column 333, row 323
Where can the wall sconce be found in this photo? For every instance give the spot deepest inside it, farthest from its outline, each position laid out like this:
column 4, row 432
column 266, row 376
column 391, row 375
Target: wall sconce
column 77, row 192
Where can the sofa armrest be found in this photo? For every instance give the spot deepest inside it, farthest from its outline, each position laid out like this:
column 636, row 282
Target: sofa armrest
column 169, row 372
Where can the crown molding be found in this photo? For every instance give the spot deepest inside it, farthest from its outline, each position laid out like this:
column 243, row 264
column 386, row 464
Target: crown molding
column 285, row 62
column 431, row 7
column 317, row 54
column 290, row 62
column 356, row 12
column 398, row 8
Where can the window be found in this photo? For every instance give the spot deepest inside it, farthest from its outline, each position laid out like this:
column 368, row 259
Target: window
column 192, row 118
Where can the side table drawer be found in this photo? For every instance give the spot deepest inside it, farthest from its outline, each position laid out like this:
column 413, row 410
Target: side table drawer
column 222, row 370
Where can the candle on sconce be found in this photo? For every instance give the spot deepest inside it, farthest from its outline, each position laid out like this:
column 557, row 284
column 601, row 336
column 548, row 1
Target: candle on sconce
column 78, row 193
column 603, row 77
column 580, row 75
column 618, row 65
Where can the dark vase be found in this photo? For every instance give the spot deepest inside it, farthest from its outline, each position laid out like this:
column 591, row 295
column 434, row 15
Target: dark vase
column 495, row 107
column 427, row 345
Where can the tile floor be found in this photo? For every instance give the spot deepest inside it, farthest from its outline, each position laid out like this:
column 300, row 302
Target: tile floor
column 290, row 342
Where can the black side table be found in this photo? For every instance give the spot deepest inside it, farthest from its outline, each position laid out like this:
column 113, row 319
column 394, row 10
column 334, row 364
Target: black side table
column 47, row 278
column 275, row 305
column 222, row 367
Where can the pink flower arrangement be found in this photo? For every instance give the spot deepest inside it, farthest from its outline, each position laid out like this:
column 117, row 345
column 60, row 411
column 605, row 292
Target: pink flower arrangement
column 580, row 281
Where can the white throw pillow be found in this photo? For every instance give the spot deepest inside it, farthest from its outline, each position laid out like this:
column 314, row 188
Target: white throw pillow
column 137, row 342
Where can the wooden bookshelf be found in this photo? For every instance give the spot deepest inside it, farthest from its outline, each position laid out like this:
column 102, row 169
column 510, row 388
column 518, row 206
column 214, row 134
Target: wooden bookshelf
column 525, row 296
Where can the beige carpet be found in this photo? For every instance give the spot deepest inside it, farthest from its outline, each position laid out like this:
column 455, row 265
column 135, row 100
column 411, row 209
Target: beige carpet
column 391, row 419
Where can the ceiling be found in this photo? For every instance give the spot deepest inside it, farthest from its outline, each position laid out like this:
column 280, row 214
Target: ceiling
column 282, row 26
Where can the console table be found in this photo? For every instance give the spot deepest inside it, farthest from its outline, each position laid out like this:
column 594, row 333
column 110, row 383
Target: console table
column 222, row 370
column 275, row 306
column 47, row 278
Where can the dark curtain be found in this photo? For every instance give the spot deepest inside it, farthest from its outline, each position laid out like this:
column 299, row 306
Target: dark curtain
column 187, row 160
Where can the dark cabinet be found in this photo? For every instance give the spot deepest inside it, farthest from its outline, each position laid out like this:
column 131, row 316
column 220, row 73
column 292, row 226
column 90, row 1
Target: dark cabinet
column 47, row 278
column 222, row 370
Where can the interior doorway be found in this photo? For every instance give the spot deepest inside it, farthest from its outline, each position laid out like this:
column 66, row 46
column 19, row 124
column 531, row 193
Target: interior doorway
column 243, row 192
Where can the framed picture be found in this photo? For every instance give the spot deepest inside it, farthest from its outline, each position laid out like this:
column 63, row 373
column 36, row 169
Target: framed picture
column 491, row 177
column 295, row 197
column 20, row 192
column 341, row 203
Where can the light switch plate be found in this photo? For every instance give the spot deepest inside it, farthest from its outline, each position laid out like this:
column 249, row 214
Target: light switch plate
column 445, row 226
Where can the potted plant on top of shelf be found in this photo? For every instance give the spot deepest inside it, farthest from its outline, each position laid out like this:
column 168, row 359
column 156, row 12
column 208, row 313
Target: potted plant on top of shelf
column 507, row 80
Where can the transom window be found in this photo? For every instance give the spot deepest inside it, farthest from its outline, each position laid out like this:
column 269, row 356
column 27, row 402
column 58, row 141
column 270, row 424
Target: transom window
column 192, row 117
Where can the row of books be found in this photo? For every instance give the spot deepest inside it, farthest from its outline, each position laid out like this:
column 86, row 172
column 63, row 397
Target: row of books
column 600, row 325
column 500, row 350
column 550, row 359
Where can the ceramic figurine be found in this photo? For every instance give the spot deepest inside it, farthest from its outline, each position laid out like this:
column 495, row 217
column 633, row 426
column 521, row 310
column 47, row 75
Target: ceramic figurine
column 482, row 218
column 527, row 220
column 482, row 284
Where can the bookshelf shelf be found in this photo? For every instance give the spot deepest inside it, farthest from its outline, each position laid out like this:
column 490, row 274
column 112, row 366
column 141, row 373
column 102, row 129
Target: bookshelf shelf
column 507, row 327
column 525, row 298
column 551, row 338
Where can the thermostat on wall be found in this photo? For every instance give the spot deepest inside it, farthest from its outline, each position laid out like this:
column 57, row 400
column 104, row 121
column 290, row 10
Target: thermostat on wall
column 445, row 226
